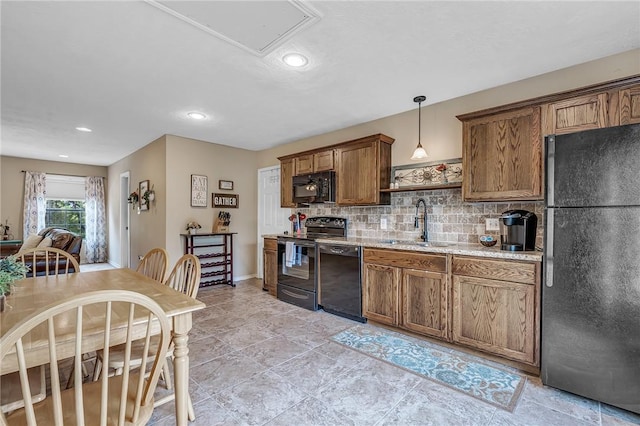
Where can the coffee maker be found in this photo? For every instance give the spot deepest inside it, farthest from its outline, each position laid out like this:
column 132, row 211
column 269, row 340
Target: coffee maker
column 518, row 230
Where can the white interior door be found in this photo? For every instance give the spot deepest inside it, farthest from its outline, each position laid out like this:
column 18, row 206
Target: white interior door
column 272, row 219
column 125, row 241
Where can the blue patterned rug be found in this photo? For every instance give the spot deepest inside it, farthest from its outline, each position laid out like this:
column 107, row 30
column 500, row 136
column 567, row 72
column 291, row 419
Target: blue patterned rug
column 454, row 369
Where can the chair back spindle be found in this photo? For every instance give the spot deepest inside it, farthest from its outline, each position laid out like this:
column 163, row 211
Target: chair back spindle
column 120, row 317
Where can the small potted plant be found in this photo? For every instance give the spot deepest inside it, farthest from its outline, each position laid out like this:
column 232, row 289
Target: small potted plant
column 11, row 270
column 193, row 226
column 149, row 195
column 133, row 199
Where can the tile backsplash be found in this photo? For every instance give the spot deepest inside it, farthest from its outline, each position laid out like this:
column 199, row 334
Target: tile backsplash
column 449, row 218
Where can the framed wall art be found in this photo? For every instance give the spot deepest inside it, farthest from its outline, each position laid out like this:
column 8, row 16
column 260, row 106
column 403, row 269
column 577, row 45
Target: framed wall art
column 225, row 184
column 142, row 189
column 199, row 191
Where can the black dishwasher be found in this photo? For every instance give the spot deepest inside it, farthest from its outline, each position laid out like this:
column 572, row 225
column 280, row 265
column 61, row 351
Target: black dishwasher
column 339, row 288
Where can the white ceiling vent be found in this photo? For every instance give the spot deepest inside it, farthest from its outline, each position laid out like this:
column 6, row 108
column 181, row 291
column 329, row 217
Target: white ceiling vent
column 256, row 26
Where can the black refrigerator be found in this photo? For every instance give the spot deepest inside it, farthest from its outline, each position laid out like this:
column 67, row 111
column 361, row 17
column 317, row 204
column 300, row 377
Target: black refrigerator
column 591, row 292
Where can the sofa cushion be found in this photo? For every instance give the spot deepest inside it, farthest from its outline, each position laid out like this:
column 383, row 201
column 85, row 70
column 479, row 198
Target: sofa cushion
column 32, row 241
column 46, row 242
column 61, row 240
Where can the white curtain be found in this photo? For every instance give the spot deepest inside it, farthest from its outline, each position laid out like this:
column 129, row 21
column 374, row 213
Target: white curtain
column 96, row 223
column 35, row 203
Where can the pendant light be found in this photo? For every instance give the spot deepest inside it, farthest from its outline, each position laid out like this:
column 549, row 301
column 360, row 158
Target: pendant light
column 419, row 152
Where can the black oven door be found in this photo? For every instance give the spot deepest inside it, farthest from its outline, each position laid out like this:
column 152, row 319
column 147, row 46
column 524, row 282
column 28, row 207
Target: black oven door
column 297, row 272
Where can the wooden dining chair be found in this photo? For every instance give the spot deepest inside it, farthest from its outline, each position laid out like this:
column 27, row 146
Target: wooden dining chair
column 115, row 316
column 51, row 260
column 154, row 264
column 54, row 262
column 185, row 278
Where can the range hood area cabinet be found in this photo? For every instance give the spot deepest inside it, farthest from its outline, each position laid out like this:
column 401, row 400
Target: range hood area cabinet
column 502, row 146
column 362, row 166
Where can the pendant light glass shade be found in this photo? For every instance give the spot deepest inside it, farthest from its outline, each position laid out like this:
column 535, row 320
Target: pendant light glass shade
column 419, row 153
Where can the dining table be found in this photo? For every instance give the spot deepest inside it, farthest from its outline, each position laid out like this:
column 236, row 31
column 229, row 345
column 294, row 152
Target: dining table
column 32, row 294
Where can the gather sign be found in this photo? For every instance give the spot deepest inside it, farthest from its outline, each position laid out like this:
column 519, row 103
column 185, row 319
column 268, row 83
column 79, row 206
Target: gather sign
column 225, row 200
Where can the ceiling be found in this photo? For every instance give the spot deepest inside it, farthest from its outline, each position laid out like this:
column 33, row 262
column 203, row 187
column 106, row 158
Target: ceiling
column 131, row 71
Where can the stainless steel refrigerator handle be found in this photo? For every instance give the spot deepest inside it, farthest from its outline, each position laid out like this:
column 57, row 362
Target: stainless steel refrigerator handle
column 548, row 246
column 551, row 155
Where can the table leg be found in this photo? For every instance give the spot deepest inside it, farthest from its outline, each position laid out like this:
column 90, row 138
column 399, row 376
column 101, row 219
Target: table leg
column 181, row 327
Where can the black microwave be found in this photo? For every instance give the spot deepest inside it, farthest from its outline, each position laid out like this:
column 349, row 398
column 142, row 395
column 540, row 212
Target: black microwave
column 314, row 188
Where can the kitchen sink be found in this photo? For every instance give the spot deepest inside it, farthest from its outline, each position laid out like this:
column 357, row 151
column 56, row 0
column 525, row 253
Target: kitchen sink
column 431, row 244
column 388, row 241
column 416, row 243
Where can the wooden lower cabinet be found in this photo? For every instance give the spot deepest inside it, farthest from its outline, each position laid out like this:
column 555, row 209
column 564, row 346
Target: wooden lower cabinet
column 424, row 303
column 395, row 293
column 495, row 308
column 380, row 293
column 270, row 266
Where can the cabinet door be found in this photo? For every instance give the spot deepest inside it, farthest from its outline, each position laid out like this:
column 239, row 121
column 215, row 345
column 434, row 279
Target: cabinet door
column 380, row 293
column 502, row 156
column 424, row 302
column 495, row 316
column 323, row 161
column 576, row 114
column 270, row 273
column 357, row 176
column 630, row 105
column 304, row 164
column 286, row 183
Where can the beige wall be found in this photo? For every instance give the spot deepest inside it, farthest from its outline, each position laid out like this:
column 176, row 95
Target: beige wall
column 168, row 163
column 441, row 130
column 189, row 156
column 147, row 229
column 12, row 185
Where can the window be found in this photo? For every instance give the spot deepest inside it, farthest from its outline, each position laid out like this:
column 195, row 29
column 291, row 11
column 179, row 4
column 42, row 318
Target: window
column 67, row 214
column 65, row 203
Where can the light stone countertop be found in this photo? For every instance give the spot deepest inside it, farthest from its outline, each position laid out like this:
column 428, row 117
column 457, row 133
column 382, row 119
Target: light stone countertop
column 450, row 248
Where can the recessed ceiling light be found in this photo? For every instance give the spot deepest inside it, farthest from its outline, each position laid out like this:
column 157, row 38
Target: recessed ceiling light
column 84, row 129
column 295, row 60
column 63, row 156
column 196, row 115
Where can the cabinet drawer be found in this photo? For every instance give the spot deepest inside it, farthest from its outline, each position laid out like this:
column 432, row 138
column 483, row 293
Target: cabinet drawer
column 407, row 259
column 270, row 244
column 519, row 272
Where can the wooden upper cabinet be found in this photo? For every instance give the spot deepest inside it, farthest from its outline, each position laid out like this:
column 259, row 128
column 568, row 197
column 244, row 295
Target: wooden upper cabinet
column 363, row 168
column 323, row 161
column 286, row 183
column 303, row 165
column 316, row 162
column 629, row 105
column 502, row 156
column 576, row 114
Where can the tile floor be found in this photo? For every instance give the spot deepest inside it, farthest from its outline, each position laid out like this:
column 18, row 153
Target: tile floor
column 257, row 361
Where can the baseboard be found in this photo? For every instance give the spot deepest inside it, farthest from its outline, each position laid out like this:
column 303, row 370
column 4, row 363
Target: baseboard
column 243, row 277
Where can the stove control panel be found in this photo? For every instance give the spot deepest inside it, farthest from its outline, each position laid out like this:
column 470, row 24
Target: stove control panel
column 326, row 222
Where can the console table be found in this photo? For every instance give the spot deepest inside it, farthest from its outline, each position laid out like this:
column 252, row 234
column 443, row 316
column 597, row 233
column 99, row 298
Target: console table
column 215, row 251
column 9, row 247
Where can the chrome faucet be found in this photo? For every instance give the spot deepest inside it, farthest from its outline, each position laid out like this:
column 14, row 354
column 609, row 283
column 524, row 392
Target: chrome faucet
column 424, row 237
